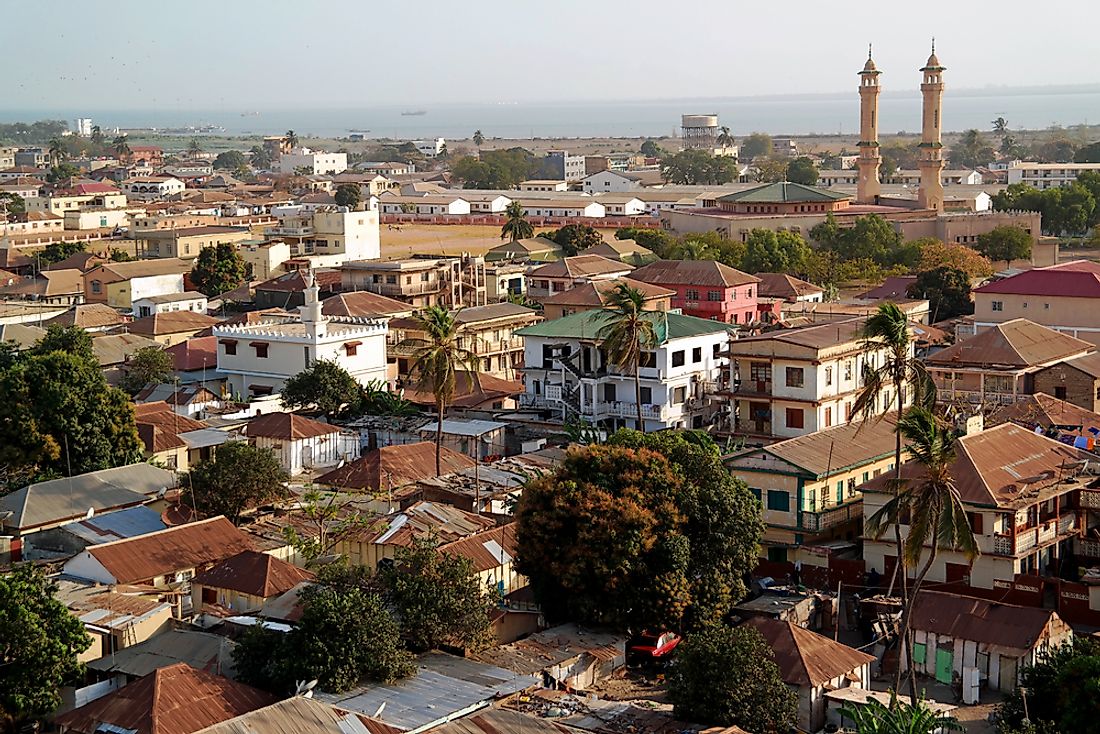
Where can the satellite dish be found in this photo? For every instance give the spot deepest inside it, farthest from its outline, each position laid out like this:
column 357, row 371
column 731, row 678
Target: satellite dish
column 89, row 513
column 305, row 689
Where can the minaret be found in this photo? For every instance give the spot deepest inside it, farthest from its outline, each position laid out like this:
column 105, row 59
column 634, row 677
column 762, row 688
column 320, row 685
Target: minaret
column 930, row 194
column 868, row 188
column 310, row 311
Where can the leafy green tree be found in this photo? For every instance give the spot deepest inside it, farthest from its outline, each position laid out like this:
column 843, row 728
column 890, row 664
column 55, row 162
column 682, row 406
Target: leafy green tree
column 872, row 237
column 260, row 157
column 899, row 155
column 349, row 195
column 1055, row 689
column 516, row 226
column 697, row 166
column 628, row 335
column 39, row 643
column 59, row 412
column 230, row 160
column 121, row 146
column 57, row 151
column 1005, row 244
column 438, row 599
column 724, row 139
column 72, row 340
column 898, row 717
column 1088, row 154
column 971, row 150
column 98, row 138
column 1000, row 125
column 148, row 365
column 727, row 676
column 495, row 169
column 120, row 256
column 62, row 172
column 290, row 139
column 1056, row 150
column 756, row 145
column 769, row 170
column 378, row 400
column 478, row 139
column 650, row 149
column 438, row 361
column 194, row 147
column 767, row 251
column 930, row 505
column 574, row 238
column 947, row 291
column 657, row 241
column 12, row 203
column 802, row 170
column 324, row 386
column 218, row 268
column 238, row 477
column 646, row 531
column 58, row 251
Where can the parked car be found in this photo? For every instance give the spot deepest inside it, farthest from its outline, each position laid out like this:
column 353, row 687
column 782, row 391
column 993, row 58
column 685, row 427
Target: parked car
column 650, row 647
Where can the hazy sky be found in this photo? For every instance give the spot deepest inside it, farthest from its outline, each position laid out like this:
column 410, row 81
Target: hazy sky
column 239, row 54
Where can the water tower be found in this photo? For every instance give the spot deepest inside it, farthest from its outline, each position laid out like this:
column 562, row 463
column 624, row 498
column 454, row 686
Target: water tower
column 699, row 131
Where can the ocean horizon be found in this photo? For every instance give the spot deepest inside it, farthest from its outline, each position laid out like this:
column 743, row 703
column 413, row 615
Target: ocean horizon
column 805, row 114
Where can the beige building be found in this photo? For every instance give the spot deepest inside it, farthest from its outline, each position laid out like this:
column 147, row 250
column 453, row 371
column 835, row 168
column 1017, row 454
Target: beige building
column 243, row 583
column 594, row 295
column 120, row 284
column 420, row 281
column 492, row 554
column 187, row 242
column 797, row 381
column 1064, row 297
column 266, row 258
column 60, row 203
column 808, row 487
column 569, row 272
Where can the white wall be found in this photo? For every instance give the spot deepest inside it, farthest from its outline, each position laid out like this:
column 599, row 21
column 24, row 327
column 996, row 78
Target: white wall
column 155, row 285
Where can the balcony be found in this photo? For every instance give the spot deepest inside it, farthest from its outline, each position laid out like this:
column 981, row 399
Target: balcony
column 628, row 410
column 408, row 289
column 1090, row 499
column 1035, row 537
column 1087, row 548
column 814, row 522
column 305, row 230
column 976, row 396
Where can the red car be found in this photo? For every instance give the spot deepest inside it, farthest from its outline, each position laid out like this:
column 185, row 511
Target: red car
column 651, row 647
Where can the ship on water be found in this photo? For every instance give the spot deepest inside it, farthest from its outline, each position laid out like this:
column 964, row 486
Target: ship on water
column 414, row 113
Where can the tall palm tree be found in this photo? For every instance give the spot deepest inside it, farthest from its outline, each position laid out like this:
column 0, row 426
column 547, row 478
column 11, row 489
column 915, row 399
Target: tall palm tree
column 628, row 333
column 931, row 502
column 695, row 250
column 97, row 135
column 725, row 140
column 888, row 328
column 516, row 226
column 290, row 139
column 194, row 147
column 56, row 151
column 437, row 362
column 120, row 146
column 1000, row 125
column 478, row 139
column 898, row 717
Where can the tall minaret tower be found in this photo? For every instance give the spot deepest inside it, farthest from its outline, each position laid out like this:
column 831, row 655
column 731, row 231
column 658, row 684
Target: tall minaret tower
column 930, row 195
column 310, row 312
column 867, row 188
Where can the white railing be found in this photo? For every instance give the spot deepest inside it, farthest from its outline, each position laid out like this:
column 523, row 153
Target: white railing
column 1088, row 548
column 1047, row 533
column 1090, row 499
column 1002, row 545
column 1067, row 524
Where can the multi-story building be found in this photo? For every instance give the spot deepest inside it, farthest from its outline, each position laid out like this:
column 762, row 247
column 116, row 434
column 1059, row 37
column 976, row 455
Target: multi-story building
column 421, row 281
column 32, row 157
column 568, row 374
column 557, row 277
column 560, row 164
column 430, row 148
column 258, row 358
column 1047, row 175
column 186, row 242
column 102, row 196
column 1064, row 297
column 1028, row 500
column 312, row 162
column 808, row 486
column 706, row 289
column 998, row 365
column 797, row 381
column 148, row 188
column 120, row 284
column 488, row 332
column 329, row 236
column 7, row 157
column 1075, row 381
column 595, row 295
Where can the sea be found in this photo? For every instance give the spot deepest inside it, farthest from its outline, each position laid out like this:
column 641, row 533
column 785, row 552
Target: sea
column 821, row 114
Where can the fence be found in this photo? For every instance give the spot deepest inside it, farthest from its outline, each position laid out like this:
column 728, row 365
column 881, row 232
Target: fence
column 497, row 220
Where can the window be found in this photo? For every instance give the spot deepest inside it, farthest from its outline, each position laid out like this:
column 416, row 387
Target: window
column 261, row 349
column 649, row 359
column 351, row 348
column 647, row 396
column 828, row 375
column 777, row 554
column 795, row 418
column 678, row 358
column 975, row 519
column 779, row 500
column 1060, row 392
column 717, row 349
column 714, row 295
column 813, row 500
column 97, row 286
column 997, row 305
column 697, row 354
column 795, row 377
column 866, row 476
column 851, row 486
column 679, row 395
column 755, row 493
column 691, row 295
column 230, row 347
column 760, row 372
column 609, row 395
column 391, row 280
column 828, row 416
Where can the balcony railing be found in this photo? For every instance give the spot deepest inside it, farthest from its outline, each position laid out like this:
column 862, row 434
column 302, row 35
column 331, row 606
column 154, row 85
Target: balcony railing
column 976, row 396
column 1087, row 548
column 1090, row 499
column 627, row 410
column 305, row 231
column 1030, row 538
column 407, row 289
column 817, row 521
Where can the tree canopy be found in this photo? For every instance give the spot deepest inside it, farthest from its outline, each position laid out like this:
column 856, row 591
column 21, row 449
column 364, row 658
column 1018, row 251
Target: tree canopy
column 238, row 477
column 727, row 676
column 574, row 237
column 648, row 531
column 937, row 254
column 1068, row 209
column 230, row 160
column 697, row 166
column 1056, row 686
column 148, row 365
column 947, row 290
column 58, row 251
column 324, row 386
column 349, row 195
column 496, row 169
column 767, row 251
column 651, row 149
column 1005, row 244
column 218, row 268
column 754, row 145
column 802, row 170
column 971, row 150
column 1088, row 154
column 39, row 643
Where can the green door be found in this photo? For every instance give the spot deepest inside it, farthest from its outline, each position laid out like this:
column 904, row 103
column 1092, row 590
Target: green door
column 944, row 660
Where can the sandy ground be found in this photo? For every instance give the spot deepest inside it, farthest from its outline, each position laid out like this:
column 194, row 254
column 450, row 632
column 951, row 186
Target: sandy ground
column 441, row 239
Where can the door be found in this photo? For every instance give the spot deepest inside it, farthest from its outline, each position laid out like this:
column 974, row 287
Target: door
column 1007, row 676
column 307, row 457
column 944, row 661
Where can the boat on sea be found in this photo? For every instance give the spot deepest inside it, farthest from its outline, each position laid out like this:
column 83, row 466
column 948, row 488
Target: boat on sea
column 414, row 113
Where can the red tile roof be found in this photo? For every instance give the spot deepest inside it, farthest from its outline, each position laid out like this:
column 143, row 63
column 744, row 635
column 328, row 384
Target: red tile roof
column 253, row 573
column 1075, row 279
column 363, row 303
column 692, row 272
column 194, row 354
column 394, row 466
column 288, row 427
column 176, row 699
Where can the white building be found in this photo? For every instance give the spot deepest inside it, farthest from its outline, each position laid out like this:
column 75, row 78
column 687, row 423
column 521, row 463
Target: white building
column 187, row 301
column 83, row 127
column 486, row 203
column 623, row 205
column 314, row 160
column 430, row 205
column 430, row 148
column 329, row 236
column 543, row 184
column 302, row 444
column 619, row 182
column 148, row 188
column 257, row 359
column 579, row 207
column 1048, row 175
column 567, row 374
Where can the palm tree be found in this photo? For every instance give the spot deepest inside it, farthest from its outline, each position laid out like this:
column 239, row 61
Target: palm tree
column 290, row 139
column 725, row 140
column 931, row 505
column 194, row 147
column 478, row 139
column 57, row 151
column 888, row 328
column 120, row 146
column 438, row 360
column 516, row 226
column 97, row 135
column 875, row 717
column 695, row 250
column 628, row 333
column 1000, row 125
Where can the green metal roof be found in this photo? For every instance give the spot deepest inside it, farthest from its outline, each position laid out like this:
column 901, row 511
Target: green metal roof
column 783, row 192
column 587, row 325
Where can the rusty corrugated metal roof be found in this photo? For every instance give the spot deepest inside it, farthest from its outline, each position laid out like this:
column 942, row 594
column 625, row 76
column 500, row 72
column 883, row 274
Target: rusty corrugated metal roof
column 390, row 467
column 254, row 573
column 806, row 658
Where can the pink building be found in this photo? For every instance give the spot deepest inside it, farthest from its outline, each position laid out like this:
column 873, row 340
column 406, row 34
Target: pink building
column 707, row 289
